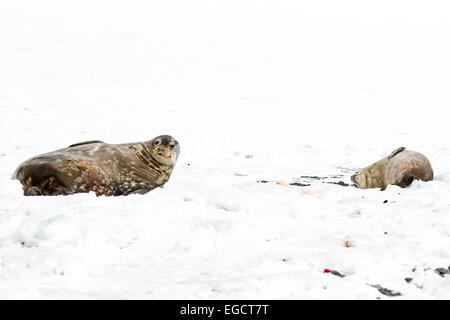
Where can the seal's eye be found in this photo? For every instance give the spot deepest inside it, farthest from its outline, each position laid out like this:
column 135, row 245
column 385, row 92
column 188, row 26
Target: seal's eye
column 157, row 142
column 172, row 145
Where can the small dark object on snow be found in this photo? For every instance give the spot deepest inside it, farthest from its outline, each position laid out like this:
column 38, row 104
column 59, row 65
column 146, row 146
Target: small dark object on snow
column 441, row 271
column 334, row 272
column 298, row 184
column 306, row 181
column 408, row 280
column 386, row 292
column 340, row 183
column 337, row 273
column 313, row 177
column 385, row 201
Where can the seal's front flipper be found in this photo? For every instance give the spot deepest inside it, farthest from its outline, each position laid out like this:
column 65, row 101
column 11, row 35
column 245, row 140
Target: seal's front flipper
column 33, row 191
column 395, row 152
column 136, row 191
column 85, row 142
column 405, row 181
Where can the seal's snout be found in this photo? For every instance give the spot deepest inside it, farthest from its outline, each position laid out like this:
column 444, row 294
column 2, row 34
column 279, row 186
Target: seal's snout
column 353, row 178
column 166, row 149
column 359, row 180
column 406, row 181
column 167, row 156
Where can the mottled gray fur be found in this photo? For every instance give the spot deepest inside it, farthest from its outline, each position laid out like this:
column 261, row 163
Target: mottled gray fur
column 106, row 169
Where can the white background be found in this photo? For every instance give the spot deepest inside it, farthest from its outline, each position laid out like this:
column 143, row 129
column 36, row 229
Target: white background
column 252, row 90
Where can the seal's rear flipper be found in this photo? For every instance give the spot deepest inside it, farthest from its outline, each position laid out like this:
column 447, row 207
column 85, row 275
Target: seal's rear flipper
column 40, row 177
column 46, row 187
column 33, row 191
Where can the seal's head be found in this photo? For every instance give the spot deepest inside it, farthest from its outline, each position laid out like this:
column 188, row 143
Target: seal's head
column 360, row 179
column 165, row 150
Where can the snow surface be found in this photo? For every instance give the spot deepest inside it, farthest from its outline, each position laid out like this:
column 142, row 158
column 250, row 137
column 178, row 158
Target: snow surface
column 252, row 90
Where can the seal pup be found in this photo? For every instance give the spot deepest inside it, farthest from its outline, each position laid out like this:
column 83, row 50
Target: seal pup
column 400, row 168
column 106, row 169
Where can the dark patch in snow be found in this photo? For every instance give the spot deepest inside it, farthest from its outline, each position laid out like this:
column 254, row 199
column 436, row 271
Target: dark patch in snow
column 306, row 181
column 386, row 292
column 442, row 271
column 334, row 272
column 337, row 273
column 27, row 245
column 312, row 177
column 298, row 184
column 340, row 183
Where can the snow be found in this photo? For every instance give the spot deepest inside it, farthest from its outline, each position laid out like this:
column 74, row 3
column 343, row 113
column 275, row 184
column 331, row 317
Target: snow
column 252, row 90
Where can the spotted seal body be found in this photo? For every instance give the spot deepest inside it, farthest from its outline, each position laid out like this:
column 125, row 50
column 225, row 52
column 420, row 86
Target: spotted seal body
column 106, row 169
column 400, row 168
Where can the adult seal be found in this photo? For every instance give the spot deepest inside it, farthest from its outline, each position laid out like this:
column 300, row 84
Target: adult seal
column 400, row 168
column 106, row 169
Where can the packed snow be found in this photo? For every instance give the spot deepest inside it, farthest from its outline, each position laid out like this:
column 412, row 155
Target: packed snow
column 253, row 91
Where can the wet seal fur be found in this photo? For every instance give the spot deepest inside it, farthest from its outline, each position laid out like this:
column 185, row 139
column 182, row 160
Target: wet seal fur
column 106, row 169
column 400, row 168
